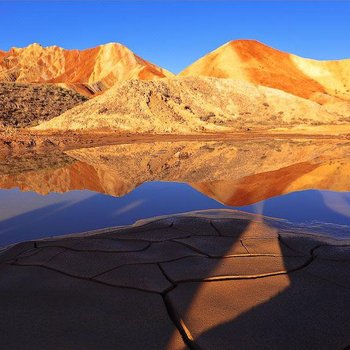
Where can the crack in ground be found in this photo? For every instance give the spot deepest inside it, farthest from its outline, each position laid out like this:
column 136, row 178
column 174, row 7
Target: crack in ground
column 180, row 325
column 210, row 256
column 176, row 320
column 245, row 248
column 173, row 314
column 97, row 250
column 179, row 322
column 196, row 250
column 215, row 228
column 89, row 279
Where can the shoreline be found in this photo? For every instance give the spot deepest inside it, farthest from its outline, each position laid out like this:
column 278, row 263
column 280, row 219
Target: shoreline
column 24, row 139
column 311, row 230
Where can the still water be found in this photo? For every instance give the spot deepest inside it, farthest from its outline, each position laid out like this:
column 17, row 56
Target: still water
column 301, row 181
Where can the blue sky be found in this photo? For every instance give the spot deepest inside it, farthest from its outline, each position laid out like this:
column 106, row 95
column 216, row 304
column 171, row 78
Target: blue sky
column 173, row 34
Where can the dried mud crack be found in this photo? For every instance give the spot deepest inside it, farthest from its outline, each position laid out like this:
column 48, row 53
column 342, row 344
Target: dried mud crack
column 181, row 282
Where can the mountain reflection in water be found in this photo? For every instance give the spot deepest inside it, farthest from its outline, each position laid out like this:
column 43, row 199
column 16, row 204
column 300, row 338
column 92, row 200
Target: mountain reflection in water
column 170, row 177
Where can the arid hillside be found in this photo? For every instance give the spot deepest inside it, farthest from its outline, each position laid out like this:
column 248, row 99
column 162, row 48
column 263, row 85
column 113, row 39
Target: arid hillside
column 193, row 105
column 23, row 105
column 260, row 64
column 88, row 71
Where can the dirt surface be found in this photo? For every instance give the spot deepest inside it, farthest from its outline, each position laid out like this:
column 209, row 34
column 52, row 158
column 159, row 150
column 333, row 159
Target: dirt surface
column 24, row 140
column 23, row 105
column 216, row 279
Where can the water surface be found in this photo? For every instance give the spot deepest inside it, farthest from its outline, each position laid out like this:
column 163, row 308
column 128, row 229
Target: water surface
column 302, row 181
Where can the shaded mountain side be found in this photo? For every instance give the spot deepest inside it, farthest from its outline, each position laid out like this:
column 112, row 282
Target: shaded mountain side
column 23, row 105
column 230, row 172
column 87, row 71
column 260, row 64
column 192, row 105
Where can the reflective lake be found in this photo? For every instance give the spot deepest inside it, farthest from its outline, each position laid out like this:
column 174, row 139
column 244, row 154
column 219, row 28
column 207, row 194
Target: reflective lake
column 45, row 194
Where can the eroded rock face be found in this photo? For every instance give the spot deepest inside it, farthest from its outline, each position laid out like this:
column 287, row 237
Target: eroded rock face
column 203, row 280
column 260, row 64
column 186, row 105
column 23, row 105
column 88, row 71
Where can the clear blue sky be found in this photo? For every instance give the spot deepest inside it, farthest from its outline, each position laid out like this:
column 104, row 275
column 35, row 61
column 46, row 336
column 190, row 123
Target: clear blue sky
column 173, row 34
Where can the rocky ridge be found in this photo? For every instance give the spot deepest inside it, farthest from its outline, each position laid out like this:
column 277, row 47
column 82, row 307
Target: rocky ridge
column 89, row 71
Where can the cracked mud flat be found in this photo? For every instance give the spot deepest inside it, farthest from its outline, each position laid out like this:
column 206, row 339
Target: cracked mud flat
column 202, row 280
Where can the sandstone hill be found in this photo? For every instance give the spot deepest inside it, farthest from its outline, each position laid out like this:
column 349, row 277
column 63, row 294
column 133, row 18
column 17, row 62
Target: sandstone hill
column 193, row 105
column 88, row 71
column 260, row 64
column 23, row 105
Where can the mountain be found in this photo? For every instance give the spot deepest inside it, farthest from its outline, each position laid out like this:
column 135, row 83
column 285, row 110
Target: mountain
column 260, row 64
column 192, row 105
column 87, row 71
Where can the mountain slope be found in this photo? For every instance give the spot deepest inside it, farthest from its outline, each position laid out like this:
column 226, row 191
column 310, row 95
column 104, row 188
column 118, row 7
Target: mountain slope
column 23, row 105
column 191, row 105
column 88, row 71
column 260, row 64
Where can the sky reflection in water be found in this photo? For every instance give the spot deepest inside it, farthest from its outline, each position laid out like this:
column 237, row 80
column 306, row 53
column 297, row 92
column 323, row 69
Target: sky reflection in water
column 97, row 187
column 27, row 215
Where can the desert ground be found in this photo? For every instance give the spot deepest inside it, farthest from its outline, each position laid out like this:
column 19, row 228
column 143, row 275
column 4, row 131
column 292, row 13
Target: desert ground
column 204, row 280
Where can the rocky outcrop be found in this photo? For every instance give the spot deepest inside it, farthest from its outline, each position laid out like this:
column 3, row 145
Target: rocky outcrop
column 87, row 71
column 23, row 105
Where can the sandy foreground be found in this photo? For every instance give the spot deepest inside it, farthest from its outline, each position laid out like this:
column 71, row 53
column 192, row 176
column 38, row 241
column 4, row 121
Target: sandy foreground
column 203, row 280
